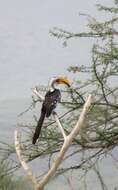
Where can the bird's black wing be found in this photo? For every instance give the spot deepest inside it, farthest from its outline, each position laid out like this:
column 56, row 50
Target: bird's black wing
column 51, row 100
column 49, row 104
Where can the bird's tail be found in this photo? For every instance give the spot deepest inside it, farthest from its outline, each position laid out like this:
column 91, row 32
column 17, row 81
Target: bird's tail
column 38, row 128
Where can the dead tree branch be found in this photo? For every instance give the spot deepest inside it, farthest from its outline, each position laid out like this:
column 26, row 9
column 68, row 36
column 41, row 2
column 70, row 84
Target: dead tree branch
column 39, row 185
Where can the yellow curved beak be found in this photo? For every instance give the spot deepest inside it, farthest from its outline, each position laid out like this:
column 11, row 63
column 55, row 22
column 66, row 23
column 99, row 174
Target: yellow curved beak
column 63, row 80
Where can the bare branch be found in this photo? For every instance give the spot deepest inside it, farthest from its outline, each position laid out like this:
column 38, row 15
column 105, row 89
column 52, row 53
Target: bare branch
column 59, row 125
column 25, row 166
column 39, row 185
column 67, row 142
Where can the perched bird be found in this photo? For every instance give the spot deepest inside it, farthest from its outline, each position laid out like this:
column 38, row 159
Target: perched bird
column 52, row 97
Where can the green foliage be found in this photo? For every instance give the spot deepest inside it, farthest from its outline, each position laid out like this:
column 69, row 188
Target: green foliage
column 9, row 182
column 108, row 9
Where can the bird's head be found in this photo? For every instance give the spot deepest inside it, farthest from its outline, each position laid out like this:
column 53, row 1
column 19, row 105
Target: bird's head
column 59, row 80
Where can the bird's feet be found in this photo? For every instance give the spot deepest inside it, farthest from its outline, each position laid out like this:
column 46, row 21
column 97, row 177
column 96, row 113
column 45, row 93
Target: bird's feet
column 54, row 113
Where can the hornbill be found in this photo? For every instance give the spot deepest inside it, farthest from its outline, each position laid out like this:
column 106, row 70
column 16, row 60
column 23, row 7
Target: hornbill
column 52, row 97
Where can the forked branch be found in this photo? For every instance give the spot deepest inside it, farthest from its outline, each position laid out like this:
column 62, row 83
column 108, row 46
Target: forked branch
column 39, row 185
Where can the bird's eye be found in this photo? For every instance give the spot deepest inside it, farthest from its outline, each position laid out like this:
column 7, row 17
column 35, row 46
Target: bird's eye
column 57, row 80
